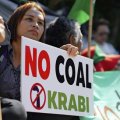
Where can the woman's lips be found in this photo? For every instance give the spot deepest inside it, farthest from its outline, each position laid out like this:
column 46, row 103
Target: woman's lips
column 34, row 32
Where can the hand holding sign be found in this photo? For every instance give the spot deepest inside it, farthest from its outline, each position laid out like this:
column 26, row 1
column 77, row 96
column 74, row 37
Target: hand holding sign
column 71, row 50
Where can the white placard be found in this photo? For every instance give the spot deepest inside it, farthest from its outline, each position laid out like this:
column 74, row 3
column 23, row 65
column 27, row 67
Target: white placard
column 54, row 82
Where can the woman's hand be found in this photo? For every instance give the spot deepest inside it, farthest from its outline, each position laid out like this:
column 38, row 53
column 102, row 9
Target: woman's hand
column 71, row 50
column 2, row 30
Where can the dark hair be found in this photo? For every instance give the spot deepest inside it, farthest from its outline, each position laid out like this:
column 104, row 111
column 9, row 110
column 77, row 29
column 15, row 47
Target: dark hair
column 58, row 33
column 99, row 23
column 17, row 16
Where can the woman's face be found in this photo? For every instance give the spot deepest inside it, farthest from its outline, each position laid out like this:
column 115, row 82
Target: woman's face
column 31, row 25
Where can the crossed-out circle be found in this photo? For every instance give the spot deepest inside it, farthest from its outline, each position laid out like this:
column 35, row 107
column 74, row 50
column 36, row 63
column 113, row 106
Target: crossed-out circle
column 36, row 102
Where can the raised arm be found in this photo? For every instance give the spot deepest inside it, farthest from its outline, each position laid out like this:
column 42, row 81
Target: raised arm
column 2, row 30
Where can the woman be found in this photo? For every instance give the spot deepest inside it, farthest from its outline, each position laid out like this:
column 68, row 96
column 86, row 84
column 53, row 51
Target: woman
column 28, row 20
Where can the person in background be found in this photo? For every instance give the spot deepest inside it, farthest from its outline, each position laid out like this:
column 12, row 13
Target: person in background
column 84, row 30
column 104, row 55
column 64, row 31
column 27, row 20
column 101, row 33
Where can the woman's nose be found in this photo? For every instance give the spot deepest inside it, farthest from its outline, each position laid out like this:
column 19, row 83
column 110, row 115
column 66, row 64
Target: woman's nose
column 35, row 25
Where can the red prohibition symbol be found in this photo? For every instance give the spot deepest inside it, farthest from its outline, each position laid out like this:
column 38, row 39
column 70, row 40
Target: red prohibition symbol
column 38, row 99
